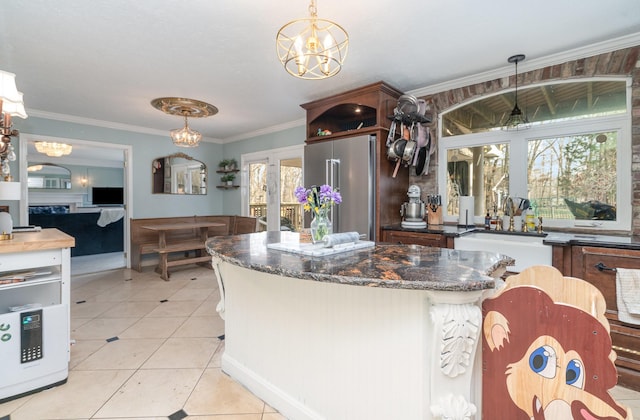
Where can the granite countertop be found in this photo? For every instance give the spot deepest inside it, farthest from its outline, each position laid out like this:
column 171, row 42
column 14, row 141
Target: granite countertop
column 554, row 238
column 446, row 230
column 589, row 239
column 384, row 265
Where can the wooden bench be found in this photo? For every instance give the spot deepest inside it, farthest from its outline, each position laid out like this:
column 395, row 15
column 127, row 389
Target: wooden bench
column 145, row 241
column 197, row 246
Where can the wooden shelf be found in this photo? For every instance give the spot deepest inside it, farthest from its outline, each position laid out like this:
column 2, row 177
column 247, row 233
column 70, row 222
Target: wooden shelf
column 223, row 171
column 351, row 113
column 227, row 187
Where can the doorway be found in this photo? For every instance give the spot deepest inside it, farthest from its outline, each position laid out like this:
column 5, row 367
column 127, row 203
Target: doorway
column 93, row 166
column 269, row 181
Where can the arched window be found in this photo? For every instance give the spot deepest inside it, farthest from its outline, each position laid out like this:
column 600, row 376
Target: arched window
column 567, row 165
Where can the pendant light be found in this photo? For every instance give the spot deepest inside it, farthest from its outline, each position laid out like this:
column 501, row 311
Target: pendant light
column 312, row 48
column 53, row 149
column 517, row 119
column 184, row 107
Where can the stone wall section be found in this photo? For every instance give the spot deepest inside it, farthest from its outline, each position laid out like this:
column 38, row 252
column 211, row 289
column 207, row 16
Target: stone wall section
column 616, row 63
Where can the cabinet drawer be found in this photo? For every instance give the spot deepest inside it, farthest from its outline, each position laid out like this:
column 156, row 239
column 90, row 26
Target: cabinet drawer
column 626, row 343
column 625, row 338
column 31, row 259
column 605, row 280
column 414, row 238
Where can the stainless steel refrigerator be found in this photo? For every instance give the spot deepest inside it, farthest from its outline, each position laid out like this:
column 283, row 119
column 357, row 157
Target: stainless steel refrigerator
column 349, row 165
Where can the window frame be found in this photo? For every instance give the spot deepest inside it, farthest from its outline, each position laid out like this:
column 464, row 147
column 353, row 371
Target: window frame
column 518, row 143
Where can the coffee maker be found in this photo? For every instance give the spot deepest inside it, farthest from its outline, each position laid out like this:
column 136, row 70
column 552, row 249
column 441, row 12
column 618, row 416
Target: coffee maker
column 413, row 211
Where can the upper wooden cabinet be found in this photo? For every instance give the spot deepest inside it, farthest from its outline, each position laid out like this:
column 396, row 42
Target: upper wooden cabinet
column 358, row 111
column 338, row 114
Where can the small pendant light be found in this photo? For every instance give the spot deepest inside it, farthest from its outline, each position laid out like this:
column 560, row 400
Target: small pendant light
column 517, row 119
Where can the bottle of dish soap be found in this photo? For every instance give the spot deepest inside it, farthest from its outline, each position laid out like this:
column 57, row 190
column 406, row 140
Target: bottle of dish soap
column 530, row 219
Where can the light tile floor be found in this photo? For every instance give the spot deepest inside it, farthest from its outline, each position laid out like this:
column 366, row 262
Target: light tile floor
column 166, row 361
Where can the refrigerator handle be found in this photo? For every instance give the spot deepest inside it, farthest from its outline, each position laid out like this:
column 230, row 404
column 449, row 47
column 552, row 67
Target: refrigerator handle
column 327, row 171
column 333, row 179
column 333, row 169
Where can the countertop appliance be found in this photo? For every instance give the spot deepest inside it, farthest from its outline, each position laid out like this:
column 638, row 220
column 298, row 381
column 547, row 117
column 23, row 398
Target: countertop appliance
column 349, row 165
column 413, row 211
column 34, row 349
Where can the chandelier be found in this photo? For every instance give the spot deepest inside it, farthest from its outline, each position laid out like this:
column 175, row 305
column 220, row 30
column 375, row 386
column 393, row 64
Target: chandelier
column 185, row 136
column 312, row 48
column 11, row 105
column 52, row 148
column 517, row 119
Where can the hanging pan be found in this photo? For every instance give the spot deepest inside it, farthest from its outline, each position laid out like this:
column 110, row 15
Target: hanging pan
column 407, row 104
column 396, row 150
column 421, row 159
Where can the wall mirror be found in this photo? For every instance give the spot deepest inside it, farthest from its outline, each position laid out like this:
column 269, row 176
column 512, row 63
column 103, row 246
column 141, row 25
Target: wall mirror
column 178, row 174
column 49, row 176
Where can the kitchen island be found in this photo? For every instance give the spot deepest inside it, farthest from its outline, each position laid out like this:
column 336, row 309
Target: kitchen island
column 389, row 331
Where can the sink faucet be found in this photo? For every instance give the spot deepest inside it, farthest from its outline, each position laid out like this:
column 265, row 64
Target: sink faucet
column 510, row 210
column 509, row 207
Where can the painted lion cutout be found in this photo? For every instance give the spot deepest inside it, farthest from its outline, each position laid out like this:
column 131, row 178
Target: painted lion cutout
column 546, row 351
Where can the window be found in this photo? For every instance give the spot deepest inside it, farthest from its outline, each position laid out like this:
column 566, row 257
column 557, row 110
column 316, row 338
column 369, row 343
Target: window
column 569, row 166
column 574, row 177
column 270, row 178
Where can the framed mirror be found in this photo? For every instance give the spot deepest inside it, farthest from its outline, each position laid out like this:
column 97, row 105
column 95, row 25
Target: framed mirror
column 48, row 176
column 178, row 174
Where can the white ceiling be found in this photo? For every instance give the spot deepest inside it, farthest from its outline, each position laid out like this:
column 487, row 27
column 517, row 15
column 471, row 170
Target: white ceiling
column 107, row 59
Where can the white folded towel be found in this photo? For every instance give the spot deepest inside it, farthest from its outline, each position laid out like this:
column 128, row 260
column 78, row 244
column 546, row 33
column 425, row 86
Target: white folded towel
column 109, row 216
column 340, row 238
column 628, row 295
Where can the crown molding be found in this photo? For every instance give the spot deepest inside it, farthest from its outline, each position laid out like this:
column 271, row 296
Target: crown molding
column 267, row 130
column 626, row 41
column 106, row 124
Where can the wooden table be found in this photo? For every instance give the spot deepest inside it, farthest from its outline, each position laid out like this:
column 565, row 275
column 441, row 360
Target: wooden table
column 187, row 244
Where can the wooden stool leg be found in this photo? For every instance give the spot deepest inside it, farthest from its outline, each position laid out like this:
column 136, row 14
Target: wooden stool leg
column 164, row 269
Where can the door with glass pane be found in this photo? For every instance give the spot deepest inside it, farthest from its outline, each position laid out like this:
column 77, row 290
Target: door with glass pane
column 271, row 182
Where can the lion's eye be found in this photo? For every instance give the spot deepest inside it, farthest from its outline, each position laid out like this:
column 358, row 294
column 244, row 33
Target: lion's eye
column 543, row 361
column 575, row 374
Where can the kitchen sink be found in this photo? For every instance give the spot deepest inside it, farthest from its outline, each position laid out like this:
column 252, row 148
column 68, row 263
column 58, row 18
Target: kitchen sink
column 526, row 248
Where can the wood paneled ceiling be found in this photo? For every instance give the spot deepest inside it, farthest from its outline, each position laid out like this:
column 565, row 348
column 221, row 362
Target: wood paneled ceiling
column 539, row 103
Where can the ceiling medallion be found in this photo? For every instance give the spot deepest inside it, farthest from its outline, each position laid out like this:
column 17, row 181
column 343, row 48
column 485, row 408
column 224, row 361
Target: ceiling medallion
column 184, row 107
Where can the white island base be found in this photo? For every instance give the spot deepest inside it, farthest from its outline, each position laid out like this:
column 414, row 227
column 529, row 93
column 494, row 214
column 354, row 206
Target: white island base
column 316, row 350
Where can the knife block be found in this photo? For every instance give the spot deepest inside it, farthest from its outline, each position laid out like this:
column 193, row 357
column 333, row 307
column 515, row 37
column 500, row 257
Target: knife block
column 434, row 217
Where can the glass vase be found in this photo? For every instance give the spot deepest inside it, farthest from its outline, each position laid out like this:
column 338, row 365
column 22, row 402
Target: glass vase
column 321, row 226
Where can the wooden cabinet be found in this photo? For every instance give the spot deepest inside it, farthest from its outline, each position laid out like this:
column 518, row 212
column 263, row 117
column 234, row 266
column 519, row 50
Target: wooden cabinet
column 358, row 110
column 595, row 265
column 364, row 111
column 415, row 238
